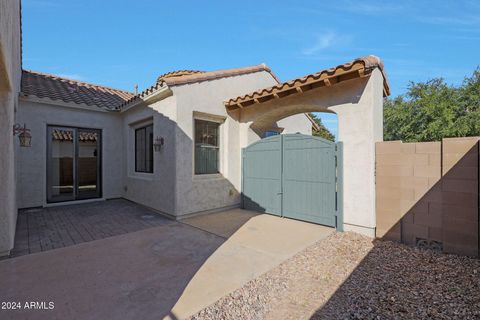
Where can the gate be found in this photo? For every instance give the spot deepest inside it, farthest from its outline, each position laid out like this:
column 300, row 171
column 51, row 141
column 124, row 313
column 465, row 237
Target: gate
column 294, row 176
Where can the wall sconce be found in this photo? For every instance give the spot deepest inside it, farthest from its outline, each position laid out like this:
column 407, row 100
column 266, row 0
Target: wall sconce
column 158, row 144
column 23, row 135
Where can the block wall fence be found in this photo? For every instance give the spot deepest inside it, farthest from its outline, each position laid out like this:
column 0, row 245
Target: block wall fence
column 427, row 194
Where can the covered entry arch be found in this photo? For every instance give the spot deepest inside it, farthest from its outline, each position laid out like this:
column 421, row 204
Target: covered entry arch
column 355, row 92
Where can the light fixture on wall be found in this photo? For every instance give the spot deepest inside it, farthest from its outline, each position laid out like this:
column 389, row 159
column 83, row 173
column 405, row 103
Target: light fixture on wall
column 23, row 135
column 158, row 144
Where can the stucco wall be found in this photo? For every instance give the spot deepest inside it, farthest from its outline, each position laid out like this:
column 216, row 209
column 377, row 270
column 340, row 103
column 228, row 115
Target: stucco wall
column 298, row 123
column 360, row 126
column 10, row 59
column 359, row 108
column 197, row 193
column 157, row 189
column 10, row 73
column 172, row 188
column 32, row 162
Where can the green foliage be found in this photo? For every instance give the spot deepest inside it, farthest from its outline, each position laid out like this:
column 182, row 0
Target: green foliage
column 323, row 132
column 433, row 110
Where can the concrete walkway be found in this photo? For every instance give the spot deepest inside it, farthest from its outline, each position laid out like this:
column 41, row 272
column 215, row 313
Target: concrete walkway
column 262, row 243
column 170, row 271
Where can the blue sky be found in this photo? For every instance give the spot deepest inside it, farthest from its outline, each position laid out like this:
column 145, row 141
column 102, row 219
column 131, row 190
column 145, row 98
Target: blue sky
column 123, row 43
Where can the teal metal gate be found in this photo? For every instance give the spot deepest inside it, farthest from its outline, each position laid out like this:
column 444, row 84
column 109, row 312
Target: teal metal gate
column 294, row 176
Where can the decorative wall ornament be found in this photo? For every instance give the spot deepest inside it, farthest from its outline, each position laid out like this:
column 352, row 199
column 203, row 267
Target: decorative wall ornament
column 158, row 144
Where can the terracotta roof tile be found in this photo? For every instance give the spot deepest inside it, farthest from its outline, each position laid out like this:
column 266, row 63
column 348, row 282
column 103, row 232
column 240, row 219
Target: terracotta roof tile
column 178, row 73
column 181, row 77
column 212, row 75
column 357, row 68
column 142, row 94
column 57, row 88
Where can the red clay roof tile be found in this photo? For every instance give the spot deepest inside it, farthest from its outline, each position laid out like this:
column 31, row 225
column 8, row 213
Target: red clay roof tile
column 212, row 75
column 181, row 77
column 358, row 67
column 57, row 88
column 177, row 73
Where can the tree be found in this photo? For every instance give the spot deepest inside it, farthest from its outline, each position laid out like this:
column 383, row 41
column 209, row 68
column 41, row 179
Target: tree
column 433, row 110
column 322, row 131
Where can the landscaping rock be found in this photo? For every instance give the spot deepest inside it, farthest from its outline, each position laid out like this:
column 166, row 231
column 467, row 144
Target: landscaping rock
column 349, row 276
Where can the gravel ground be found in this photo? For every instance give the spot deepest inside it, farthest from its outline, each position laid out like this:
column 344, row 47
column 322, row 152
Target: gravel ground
column 347, row 276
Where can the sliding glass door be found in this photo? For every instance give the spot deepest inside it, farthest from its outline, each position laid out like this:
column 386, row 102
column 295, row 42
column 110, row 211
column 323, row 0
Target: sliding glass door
column 61, row 164
column 73, row 164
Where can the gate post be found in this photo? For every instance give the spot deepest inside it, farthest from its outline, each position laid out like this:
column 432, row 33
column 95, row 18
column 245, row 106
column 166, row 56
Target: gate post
column 242, row 195
column 282, row 180
column 339, row 193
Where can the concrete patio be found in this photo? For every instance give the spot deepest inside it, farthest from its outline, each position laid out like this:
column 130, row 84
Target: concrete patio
column 169, row 271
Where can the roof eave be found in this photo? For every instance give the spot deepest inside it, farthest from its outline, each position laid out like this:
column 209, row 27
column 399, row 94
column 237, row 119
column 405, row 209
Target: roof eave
column 155, row 95
column 215, row 75
column 358, row 68
column 49, row 101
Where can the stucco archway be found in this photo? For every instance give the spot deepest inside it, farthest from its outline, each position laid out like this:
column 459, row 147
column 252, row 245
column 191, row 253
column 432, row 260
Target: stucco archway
column 355, row 92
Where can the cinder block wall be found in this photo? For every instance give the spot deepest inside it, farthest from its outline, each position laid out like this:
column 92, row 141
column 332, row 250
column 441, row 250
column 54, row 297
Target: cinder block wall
column 427, row 194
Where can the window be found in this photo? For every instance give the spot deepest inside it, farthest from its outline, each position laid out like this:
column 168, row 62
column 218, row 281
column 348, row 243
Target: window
column 144, row 149
column 206, row 147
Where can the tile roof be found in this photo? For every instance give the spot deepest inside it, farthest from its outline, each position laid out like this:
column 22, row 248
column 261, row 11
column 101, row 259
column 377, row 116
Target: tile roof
column 357, row 68
column 57, row 88
column 181, row 77
column 142, row 94
column 199, row 76
column 178, row 73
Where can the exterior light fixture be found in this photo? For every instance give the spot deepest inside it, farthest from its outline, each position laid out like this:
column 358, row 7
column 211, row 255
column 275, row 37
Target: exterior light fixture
column 158, row 144
column 23, row 135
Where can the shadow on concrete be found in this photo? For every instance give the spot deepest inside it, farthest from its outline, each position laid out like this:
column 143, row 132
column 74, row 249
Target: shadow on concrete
column 169, row 271
column 106, row 265
column 137, row 275
column 144, row 274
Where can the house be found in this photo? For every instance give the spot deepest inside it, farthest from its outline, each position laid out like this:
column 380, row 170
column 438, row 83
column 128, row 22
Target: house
column 177, row 146
column 173, row 147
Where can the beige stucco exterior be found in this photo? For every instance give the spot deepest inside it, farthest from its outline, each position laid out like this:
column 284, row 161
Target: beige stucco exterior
column 172, row 189
column 10, row 71
column 198, row 193
column 32, row 161
column 358, row 104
